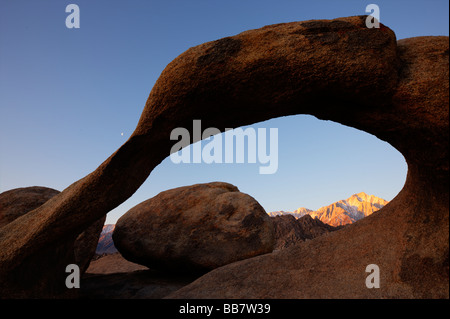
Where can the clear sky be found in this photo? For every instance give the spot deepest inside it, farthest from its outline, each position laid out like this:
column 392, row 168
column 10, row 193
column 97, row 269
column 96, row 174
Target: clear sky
column 67, row 95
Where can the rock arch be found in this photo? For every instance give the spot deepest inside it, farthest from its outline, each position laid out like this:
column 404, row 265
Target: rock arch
column 333, row 69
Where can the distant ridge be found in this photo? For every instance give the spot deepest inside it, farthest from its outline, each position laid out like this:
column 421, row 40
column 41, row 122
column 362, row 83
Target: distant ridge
column 343, row 212
column 290, row 230
column 298, row 213
column 105, row 244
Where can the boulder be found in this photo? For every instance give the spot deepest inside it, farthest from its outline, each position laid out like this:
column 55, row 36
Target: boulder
column 194, row 229
column 336, row 70
column 19, row 201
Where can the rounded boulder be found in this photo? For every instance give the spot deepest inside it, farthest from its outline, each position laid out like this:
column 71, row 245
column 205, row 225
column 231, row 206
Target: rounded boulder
column 194, row 229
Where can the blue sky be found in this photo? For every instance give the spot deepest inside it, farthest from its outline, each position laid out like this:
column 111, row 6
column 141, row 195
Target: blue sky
column 67, row 95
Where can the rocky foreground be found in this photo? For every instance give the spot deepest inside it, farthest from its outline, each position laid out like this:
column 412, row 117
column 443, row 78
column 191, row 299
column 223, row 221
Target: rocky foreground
column 337, row 70
column 159, row 226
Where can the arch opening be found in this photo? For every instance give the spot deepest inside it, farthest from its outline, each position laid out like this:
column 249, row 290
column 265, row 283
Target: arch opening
column 318, row 163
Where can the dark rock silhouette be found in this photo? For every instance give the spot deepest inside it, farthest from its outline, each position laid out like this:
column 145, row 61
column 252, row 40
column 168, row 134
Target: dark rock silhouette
column 194, row 229
column 336, row 70
column 139, row 284
column 289, row 230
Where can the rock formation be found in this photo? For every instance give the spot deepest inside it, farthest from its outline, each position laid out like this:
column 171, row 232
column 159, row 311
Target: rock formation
column 408, row 238
column 336, row 70
column 18, row 202
column 194, row 229
column 86, row 243
column 289, row 230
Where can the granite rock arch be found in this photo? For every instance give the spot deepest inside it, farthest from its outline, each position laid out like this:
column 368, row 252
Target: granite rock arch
column 333, row 69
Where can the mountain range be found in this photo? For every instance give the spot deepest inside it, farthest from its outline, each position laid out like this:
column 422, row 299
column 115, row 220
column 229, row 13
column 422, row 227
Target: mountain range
column 343, row 212
column 105, row 243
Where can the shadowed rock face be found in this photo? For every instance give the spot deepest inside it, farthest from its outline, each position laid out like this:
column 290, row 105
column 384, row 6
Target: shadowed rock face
column 18, row 202
column 333, row 69
column 289, row 230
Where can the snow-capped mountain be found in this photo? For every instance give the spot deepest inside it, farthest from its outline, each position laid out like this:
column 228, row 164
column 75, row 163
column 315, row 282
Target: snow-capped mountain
column 342, row 212
column 299, row 212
